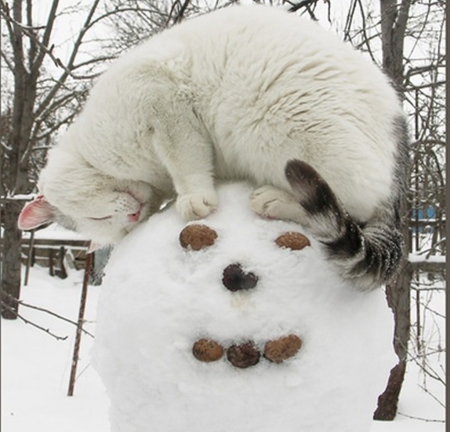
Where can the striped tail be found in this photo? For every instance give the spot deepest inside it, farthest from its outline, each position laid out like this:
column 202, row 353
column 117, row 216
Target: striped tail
column 367, row 254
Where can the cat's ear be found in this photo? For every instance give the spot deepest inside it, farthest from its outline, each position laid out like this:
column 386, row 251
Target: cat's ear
column 36, row 213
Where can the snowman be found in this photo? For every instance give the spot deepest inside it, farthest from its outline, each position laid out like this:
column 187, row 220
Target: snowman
column 237, row 323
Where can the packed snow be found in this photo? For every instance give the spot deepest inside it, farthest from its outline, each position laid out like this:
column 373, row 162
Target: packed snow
column 158, row 298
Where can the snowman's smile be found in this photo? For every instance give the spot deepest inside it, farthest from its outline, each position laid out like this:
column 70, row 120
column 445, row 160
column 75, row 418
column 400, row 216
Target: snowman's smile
column 248, row 353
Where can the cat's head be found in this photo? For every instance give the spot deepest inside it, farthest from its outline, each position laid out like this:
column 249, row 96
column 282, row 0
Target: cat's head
column 104, row 219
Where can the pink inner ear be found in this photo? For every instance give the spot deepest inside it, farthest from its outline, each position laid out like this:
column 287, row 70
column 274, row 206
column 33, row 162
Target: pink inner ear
column 36, row 213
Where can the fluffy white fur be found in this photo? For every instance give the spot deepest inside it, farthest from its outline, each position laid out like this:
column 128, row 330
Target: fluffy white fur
column 233, row 94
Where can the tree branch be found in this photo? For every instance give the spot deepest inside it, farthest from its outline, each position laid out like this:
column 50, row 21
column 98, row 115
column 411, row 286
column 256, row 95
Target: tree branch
column 22, row 303
column 10, row 309
column 302, row 4
column 421, row 418
column 7, row 61
column 46, row 38
column 10, row 24
column 72, row 58
column 180, row 14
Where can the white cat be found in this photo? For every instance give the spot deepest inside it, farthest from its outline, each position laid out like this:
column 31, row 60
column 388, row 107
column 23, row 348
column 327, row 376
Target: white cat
column 237, row 94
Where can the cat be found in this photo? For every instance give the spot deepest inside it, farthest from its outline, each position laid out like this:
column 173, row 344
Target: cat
column 244, row 93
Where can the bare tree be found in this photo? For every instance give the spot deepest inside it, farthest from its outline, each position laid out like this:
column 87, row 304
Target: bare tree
column 404, row 37
column 46, row 92
column 142, row 18
column 399, row 35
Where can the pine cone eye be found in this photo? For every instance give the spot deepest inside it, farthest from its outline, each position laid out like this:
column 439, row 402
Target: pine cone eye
column 197, row 236
column 292, row 240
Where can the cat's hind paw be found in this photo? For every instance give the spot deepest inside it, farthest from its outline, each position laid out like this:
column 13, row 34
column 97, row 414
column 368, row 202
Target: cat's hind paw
column 273, row 203
column 196, row 205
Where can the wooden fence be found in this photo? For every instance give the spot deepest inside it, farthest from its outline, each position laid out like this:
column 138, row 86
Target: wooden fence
column 55, row 254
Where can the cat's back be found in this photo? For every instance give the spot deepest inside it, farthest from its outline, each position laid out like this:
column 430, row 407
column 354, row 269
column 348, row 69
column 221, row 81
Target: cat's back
column 250, row 59
column 249, row 51
column 257, row 41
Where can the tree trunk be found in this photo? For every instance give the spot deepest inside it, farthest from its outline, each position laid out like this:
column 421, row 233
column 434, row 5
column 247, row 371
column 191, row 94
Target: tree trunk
column 18, row 184
column 388, row 401
column 398, row 296
column 11, row 259
column 394, row 17
column 25, row 82
column 399, row 300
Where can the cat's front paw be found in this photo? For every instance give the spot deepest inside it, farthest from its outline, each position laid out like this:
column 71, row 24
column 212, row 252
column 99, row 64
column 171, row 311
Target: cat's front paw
column 273, row 203
column 196, row 205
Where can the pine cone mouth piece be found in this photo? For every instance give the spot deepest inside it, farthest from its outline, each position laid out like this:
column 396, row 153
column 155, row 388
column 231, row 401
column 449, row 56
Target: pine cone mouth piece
column 247, row 354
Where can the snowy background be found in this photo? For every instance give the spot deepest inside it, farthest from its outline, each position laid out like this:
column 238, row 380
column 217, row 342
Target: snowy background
column 36, row 369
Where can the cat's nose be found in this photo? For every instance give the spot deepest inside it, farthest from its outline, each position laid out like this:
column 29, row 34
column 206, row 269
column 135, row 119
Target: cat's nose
column 134, row 217
column 236, row 279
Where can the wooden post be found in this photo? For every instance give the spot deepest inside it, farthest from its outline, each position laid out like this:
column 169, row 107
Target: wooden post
column 76, row 348
column 50, row 262
column 62, row 254
column 33, row 256
column 29, row 258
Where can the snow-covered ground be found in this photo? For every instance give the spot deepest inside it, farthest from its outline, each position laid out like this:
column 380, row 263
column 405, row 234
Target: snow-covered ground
column 35, row 370
column 36, row 367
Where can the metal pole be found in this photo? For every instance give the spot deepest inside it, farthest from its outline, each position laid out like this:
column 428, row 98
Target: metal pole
column 76, row 348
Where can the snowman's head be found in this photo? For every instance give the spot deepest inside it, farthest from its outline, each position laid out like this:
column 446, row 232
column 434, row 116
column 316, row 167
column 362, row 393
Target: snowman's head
column 236, row 322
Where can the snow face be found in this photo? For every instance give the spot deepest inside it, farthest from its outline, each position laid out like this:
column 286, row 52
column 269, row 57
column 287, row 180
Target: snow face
column 159, row 299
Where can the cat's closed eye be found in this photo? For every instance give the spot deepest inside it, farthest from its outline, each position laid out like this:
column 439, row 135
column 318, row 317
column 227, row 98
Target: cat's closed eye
column 100, row 218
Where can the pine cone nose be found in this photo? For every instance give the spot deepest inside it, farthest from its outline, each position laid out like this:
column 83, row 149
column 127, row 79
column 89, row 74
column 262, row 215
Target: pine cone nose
column 235, row 279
